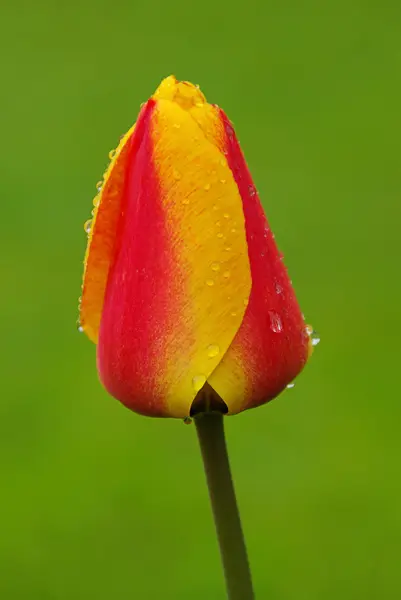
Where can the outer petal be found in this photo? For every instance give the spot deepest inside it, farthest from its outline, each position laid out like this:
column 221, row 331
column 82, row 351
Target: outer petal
column 272, row 345
column 101, row 238
column 179, row 277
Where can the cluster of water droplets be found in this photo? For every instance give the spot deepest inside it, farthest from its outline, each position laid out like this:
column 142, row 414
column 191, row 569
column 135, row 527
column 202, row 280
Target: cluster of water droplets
column 89, row 222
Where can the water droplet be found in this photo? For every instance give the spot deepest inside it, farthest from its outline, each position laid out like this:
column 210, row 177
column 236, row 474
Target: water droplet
column 199, row 104
column 220, row 235
column 233, row 230
column 96, row 201
column 275, row 322
column 88, row 225
column 215, row 267
column 278, row 288
column 218, row 224
column 226, row 216
column 176, row 125
column 233, row 314
column 206, row 187
column 230, row 130
column 176, row 174
column 213, row 350
column 223, row 180
column 215, row 207
column 187, row 420
column 251, row 190
column 185, row 201
column 210, row 282
column 112, row 154
column 99, row 185
column 226, row 274
column 228, row 249
column 80, row 329
column 290, row 386
column 314, row 336
column 198, row 382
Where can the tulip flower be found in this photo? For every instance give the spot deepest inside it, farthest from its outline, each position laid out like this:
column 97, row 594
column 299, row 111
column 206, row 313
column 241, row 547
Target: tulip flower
column 184, row 287
column 185, row 292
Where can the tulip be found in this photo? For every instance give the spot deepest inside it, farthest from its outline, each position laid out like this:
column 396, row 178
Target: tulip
column 184, row 289
column 185, row 292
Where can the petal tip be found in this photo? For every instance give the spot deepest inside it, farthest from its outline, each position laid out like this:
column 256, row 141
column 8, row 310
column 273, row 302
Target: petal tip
column 185, row 94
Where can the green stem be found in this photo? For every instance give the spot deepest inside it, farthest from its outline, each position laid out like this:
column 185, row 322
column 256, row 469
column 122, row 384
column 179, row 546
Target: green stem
column 210, row 429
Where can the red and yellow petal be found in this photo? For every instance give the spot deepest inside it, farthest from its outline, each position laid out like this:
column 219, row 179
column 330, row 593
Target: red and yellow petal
column 174, row 268
column 101, row 238
column 272, row 344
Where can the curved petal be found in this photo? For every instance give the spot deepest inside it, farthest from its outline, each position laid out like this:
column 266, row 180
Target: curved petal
column 101, row 238
column 179, row 279
column 272, row 344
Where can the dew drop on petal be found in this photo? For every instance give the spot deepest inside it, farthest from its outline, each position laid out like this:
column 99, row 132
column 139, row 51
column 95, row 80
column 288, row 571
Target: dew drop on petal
column 213, row 350
column 112, row 154
column 233, row 314
column 290, row 386
column 315, row 337
column 88, row 225
column 96, row 201
column 99, row 185
column 220, row 235
column 210, row 282
column 275, row 322
column 251, row 190
column 80, row 329
column 198, row 382
column 312, row 334
column 215, row 207
column 185, row 201
column 278, row 288
column 206, row 187
column 215, row 266
column 226, row 216
column 226, row 274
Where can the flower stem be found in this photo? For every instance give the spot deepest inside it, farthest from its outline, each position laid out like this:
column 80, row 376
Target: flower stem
column 210, row 429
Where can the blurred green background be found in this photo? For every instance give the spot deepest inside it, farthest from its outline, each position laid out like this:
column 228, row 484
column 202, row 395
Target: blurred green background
column 97, row 502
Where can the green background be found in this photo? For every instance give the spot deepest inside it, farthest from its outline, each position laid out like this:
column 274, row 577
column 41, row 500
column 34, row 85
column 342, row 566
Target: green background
column 96, row 502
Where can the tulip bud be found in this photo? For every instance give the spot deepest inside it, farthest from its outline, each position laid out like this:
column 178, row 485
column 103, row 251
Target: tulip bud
column 184, row 288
